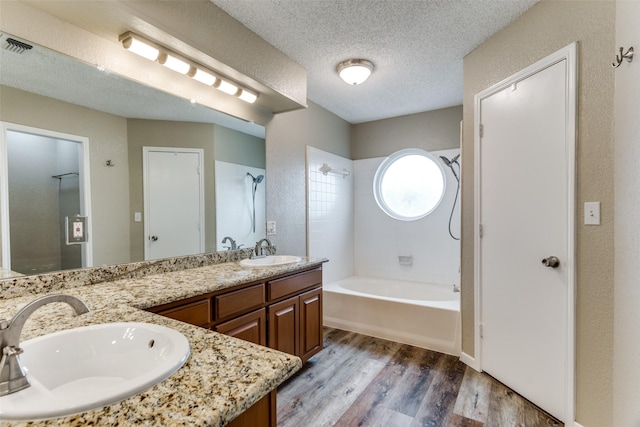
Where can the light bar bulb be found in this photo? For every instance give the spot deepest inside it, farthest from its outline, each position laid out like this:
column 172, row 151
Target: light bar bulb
column 227, row 87
column 140, row 48
column 247, row 96
column 204, row 77
column 175, row 64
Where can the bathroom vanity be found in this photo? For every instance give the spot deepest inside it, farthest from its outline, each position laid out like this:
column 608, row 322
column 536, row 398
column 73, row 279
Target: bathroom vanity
column 225, row 381
column 283, row 312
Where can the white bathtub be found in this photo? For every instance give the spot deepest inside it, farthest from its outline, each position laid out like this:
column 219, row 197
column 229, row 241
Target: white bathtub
column 420, row 314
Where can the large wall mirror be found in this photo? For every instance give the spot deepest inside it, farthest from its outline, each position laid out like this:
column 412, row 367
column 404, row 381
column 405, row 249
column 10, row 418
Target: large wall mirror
column 73, row 164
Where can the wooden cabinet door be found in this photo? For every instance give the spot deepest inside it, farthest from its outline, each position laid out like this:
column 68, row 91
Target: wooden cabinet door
column 250, row 327
column 284, row 326
column 261, row 414
column 311, row 334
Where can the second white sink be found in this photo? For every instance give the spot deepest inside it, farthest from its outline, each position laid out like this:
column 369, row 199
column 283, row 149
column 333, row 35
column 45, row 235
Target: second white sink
column 271, row 260
column 86, row 368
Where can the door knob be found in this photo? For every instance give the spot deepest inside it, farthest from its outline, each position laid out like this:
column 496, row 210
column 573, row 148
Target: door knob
column 552, row 262
column 153, row 238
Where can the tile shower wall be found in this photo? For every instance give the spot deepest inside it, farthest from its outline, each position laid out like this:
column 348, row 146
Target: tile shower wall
column 330, row 213
column 379, row 240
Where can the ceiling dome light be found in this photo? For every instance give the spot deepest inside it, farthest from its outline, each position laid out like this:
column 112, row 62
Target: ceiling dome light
column 355, row 71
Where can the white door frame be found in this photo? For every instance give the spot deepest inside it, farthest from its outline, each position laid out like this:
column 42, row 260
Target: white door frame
column 85, row 187
column 568, row 53
column 145, row 189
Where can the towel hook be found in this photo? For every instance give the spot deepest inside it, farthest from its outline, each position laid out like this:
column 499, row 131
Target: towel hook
column 628, row 55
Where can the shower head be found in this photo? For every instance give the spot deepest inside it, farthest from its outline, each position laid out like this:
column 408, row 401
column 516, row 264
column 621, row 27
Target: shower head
column 446, row 161
column 256, row 179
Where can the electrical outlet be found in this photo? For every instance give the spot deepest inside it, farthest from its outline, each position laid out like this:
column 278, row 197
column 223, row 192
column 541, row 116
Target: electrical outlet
column 271, row 228
column 137, row 216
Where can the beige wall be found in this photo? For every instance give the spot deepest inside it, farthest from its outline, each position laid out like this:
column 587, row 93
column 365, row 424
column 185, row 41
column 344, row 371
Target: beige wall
column 107, row 136
column 235, row 147
column 431, row 130
column 288, row 134
column 545, row 28
column 230, row 145
column 626, row 350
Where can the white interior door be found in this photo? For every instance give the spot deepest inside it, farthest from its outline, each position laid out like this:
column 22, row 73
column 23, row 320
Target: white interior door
column 173, row 202
column 526, row 209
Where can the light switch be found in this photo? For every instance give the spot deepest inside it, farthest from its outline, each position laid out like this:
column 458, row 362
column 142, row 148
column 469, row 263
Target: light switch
column 137, row 216
column 592, row 213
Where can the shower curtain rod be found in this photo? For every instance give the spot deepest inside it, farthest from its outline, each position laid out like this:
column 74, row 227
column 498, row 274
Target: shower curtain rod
column 65, row 174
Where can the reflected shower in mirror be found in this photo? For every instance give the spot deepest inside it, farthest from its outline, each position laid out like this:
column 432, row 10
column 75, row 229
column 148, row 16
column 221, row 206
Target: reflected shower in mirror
column 51, row 92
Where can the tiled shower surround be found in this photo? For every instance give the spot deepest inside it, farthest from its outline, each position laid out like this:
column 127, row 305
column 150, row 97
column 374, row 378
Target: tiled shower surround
column 346, row 226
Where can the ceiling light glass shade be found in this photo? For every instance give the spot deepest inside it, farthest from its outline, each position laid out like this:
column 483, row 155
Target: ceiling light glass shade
column 247, row 96
column 141, row 48
column 175, row 64
column 226, row 87
column 204, row 77
column 355, row 71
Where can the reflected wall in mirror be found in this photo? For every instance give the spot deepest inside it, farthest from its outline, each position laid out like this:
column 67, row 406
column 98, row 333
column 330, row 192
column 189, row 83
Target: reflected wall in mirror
column 46, row 90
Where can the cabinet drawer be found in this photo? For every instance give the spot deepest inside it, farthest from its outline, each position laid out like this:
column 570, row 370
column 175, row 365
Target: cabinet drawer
column 251, row 327
column 294, row 284
column 196, row 313
column 238, row 302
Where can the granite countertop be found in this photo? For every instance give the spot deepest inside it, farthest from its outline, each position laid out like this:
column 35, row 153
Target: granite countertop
column 223, row 376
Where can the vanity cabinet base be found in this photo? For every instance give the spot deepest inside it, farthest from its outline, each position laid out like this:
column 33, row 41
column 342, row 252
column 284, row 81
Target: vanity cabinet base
column 263, row 413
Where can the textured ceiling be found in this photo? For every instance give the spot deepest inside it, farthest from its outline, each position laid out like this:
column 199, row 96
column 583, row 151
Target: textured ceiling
column 417, row 47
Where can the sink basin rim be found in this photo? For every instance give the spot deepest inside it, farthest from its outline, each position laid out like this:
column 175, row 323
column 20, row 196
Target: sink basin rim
column 51, row 403
column 270, row 261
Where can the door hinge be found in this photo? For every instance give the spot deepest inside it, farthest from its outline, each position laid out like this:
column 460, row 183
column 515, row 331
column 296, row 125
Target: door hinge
column 481, row 230
column 481, row 329
column 481, row 129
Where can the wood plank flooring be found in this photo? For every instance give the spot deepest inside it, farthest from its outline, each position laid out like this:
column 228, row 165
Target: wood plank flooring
column 363, row 381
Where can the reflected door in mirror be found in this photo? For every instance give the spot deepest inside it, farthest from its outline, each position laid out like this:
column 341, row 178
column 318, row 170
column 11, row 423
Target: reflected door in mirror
column 174, row 202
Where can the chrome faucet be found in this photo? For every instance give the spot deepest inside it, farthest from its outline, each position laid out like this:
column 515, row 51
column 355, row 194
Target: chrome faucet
column 233, row 246
column 259, row 250
column 12, row 376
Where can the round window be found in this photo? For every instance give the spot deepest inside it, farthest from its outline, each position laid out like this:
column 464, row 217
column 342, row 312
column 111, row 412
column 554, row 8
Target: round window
column 409, row 184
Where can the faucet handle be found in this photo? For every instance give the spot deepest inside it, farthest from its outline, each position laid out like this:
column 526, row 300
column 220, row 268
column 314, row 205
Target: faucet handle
column 11, row 350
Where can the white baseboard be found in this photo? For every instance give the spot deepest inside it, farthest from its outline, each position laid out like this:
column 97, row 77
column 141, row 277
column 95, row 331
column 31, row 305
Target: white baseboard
column 577, row 424
column 469, row 361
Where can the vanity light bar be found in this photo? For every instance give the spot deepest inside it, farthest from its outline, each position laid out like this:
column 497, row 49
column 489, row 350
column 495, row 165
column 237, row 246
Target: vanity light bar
column 154, row 52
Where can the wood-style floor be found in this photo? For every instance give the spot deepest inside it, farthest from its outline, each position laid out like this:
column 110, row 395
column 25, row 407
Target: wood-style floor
column 363, row 381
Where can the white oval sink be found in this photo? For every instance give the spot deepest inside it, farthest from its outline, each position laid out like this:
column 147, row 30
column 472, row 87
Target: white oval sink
column 270, row 260
column 86, row 368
